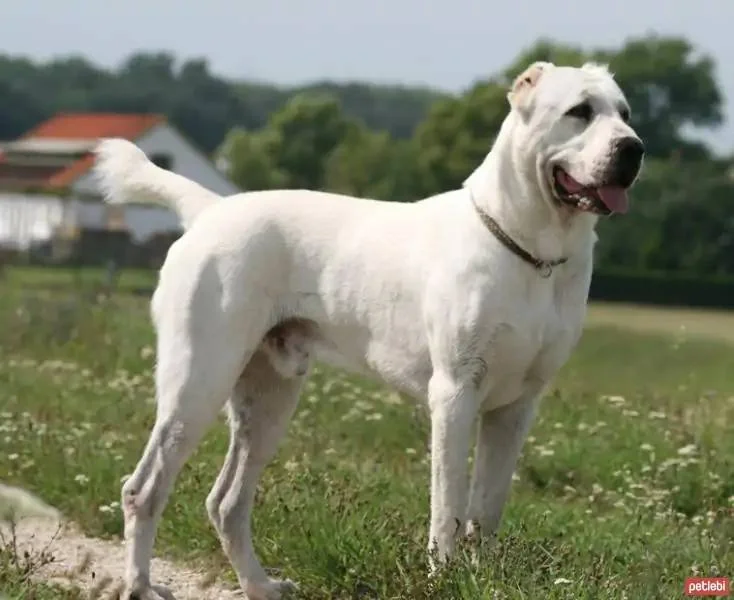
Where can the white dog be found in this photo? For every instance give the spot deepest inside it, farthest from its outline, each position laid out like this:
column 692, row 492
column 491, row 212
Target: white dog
column 471, row 299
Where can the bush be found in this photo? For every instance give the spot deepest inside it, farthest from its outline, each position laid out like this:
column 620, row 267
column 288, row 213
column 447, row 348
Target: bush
column 672, row 289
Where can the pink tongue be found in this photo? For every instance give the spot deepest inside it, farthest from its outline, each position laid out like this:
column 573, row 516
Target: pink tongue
column 614, row 197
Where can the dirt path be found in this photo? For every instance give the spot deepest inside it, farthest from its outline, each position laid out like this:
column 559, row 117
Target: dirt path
column 96, row 566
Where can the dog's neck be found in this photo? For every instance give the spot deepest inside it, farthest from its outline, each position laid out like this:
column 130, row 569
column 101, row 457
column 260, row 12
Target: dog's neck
column 515, row 200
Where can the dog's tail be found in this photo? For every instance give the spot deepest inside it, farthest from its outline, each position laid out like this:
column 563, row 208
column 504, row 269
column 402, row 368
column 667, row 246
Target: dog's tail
column 127, row 175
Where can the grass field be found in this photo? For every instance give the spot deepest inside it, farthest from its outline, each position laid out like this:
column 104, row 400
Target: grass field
column 86, row 280
column 685, row 322
column 625, row 486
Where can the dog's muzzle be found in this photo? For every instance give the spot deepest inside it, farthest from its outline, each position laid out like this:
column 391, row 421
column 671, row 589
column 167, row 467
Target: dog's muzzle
column 610, row 196
column 628, row 153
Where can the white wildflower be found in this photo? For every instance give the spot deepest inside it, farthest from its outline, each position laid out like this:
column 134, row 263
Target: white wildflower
column 615, row 400
column 687, row 450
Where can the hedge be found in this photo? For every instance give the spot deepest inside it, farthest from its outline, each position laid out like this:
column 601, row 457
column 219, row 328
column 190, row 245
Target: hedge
column 671, row 289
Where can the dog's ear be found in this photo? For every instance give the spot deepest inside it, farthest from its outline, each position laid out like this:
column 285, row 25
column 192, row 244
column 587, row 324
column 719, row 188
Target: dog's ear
column 600, row 69
column 524, row 84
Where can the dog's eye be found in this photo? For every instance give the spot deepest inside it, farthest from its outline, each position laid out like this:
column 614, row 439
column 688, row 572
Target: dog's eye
column 581, row 111
column 625, row 114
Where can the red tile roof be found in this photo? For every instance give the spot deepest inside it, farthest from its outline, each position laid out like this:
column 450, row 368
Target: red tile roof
column 94, row 125
column 66, row 176
column 68, row 126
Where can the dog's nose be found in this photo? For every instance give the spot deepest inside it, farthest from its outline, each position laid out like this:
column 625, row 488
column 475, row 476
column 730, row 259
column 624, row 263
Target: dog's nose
column 629, row 151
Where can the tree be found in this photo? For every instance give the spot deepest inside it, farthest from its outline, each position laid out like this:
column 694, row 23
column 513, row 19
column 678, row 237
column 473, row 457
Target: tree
column 695, row 231
column 19, row 110
column 373, row 165
column 293, row 148
column 303, row 134
column 681, row 219
column 250, row 162
column 458, row 133
column 396, row 109
column 359, row 164
column 671, row 87
column 203, row 105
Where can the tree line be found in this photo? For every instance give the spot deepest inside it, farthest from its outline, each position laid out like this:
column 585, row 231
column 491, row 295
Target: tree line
column 402, row 143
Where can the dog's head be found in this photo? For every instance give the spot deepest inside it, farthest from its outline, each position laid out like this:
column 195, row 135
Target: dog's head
column 572, row 132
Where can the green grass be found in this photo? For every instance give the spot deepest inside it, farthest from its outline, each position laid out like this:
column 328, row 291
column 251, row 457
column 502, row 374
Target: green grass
column 19, row 589
column 17, row 581
column 83, row 278
column 711, row 324
column 625, row 486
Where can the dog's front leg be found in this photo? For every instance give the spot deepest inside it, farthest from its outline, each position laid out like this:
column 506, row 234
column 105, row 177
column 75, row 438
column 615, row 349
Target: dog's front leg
column 500, row 438
column 453, row 406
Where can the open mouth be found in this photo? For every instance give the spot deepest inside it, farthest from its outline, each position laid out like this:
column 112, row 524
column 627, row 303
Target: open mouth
column 600, row 200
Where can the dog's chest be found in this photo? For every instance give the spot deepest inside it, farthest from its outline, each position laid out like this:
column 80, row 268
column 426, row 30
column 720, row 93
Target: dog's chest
column 530, row 344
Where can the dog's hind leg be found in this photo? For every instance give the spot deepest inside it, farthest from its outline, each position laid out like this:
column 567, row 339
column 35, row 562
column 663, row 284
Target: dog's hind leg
column 190, row 393
column 259, row 412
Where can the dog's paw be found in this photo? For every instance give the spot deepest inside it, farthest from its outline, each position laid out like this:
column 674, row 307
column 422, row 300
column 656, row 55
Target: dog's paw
column 274, row 589
column 482, row 542
column 437, row 561
column 435, row 566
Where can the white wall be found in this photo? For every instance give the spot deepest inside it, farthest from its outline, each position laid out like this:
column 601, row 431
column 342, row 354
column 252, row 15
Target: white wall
column 143, row 221
column 89, row 213
column 30, row 218
column 26, row 219
column 140, row 220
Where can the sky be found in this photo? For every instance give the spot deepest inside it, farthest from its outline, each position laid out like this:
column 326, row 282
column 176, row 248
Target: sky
column 445, row 44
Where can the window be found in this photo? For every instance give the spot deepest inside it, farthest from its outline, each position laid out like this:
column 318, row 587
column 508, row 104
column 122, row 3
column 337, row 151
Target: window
column 164, row 161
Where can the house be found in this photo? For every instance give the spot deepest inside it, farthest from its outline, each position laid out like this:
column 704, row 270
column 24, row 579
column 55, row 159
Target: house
column 48, row 191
